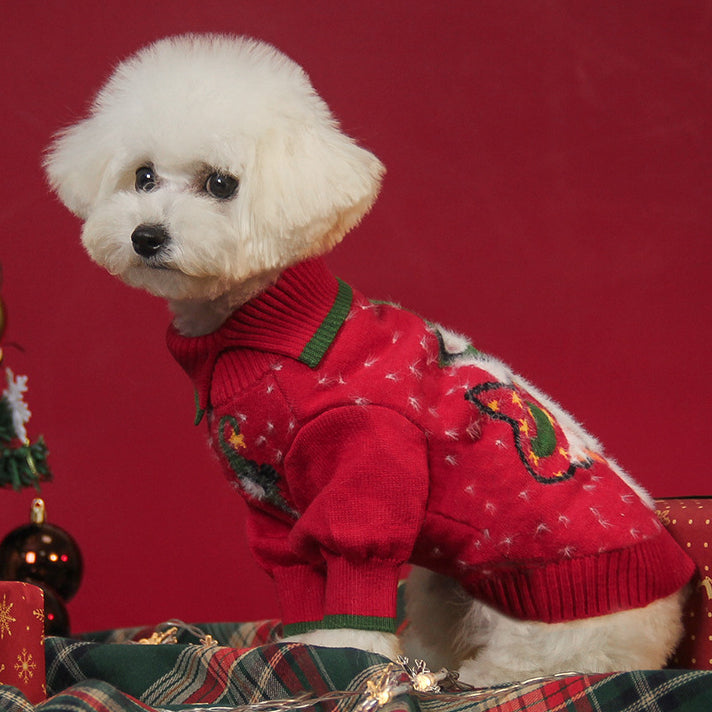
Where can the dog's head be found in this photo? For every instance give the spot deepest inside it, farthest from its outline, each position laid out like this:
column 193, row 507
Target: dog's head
column 205, row 162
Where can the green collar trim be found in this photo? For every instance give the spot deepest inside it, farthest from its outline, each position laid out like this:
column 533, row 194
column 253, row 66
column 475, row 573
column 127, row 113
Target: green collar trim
column 326, row 333
column 199, row 412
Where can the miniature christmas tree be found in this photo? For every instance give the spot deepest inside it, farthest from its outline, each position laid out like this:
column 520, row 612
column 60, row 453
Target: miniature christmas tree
column 22, row 463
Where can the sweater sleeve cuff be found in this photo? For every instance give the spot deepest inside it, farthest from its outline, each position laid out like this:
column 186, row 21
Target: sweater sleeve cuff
column 301, row 597
column 361, row 594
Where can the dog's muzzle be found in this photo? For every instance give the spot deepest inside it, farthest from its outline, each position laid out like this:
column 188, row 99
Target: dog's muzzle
column 149, row 240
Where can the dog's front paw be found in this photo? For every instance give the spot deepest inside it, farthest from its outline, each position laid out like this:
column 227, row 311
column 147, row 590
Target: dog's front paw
column 385, row 644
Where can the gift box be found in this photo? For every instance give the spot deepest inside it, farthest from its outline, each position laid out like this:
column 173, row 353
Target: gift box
column 22, row 653
column 689, row 522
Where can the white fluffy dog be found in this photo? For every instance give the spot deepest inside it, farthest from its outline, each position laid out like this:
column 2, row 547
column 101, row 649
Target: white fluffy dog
column 211, row 174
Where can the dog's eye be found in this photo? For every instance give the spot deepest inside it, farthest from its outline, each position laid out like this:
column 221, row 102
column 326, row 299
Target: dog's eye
column 221, row 185
column 146, row 179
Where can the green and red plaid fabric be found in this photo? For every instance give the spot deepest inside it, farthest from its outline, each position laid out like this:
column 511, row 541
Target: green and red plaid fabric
column 639, row 691
column 108, row 673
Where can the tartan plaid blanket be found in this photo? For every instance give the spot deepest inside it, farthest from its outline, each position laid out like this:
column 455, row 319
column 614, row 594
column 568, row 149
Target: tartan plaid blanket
column 107, row 672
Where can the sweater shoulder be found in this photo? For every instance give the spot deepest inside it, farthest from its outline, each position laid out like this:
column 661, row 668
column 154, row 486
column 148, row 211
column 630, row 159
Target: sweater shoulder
column 237, row 371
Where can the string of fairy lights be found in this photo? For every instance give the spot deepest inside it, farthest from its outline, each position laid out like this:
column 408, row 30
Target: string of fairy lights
column 389, row 682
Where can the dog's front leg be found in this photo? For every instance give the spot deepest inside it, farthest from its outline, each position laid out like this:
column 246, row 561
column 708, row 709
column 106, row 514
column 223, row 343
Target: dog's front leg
column 385, row 644
column 359, row 476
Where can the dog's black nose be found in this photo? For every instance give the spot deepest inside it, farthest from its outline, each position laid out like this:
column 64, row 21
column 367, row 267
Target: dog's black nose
column 148, row 240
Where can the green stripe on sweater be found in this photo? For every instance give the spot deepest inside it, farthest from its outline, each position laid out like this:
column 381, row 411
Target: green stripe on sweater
column 326, row 333
column 375, row 623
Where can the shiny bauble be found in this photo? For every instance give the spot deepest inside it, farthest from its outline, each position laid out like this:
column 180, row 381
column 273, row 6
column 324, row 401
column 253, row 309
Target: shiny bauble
column 56, row 617
column 42, row 553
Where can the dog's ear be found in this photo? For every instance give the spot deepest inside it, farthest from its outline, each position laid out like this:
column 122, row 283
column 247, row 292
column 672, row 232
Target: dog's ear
column 304, row 188
column 76, row 164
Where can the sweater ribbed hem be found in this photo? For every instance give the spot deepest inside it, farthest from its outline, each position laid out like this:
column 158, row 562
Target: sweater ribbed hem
column 375, row 623
column 301, row 597
column 362, row 589
column 588, row 586
column 299, row 628
column 372, row 623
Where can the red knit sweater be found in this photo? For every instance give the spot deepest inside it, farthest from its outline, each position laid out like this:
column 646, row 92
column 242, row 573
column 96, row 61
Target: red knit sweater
column 363, row 437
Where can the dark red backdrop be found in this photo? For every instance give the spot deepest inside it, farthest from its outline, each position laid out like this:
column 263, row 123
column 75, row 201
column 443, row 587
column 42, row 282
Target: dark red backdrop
column 549, row 193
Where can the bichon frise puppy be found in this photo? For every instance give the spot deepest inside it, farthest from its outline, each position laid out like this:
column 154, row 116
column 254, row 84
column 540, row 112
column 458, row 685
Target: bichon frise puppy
column 210, row 173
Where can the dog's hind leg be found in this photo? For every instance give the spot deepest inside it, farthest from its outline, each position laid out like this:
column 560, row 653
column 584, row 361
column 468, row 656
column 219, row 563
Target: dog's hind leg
column 448, row 628
column 637, row 639
column 436, row 610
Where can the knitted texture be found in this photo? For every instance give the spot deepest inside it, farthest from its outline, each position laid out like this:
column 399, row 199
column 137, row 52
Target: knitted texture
column 363, row 438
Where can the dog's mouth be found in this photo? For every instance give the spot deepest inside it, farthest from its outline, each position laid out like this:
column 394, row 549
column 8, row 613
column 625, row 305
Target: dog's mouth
column 158, row 265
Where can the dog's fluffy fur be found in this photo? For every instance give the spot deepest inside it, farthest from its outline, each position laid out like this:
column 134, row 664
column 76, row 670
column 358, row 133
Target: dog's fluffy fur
column 192, row 106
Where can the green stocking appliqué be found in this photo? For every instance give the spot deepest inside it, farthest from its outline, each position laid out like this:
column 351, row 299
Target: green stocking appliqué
column 545, row 441
column 538, row 438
